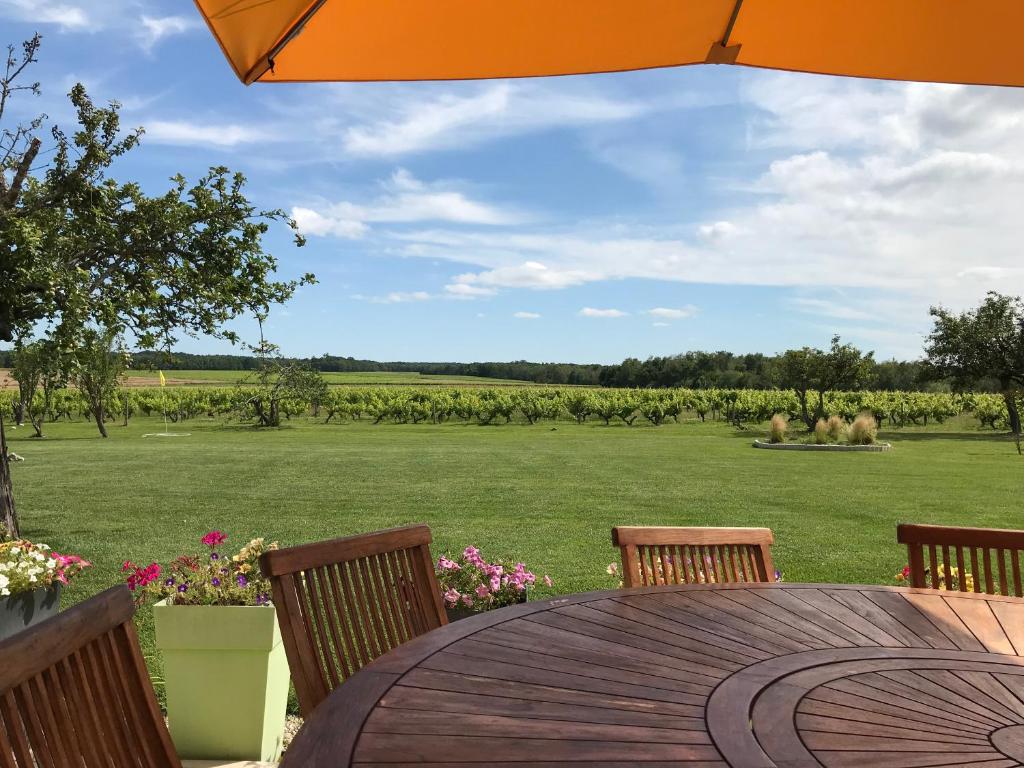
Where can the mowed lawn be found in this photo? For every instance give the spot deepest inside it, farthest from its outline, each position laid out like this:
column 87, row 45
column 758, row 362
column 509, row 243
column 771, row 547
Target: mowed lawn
column 546, row 494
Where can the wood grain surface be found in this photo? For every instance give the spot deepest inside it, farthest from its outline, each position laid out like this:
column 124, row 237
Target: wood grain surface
column 743, row 675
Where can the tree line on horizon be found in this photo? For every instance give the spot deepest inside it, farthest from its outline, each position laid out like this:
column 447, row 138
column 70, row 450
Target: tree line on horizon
column 692, row 370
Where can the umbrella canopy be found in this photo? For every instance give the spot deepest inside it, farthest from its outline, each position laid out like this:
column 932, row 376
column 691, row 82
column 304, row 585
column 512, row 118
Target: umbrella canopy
column 957, row 41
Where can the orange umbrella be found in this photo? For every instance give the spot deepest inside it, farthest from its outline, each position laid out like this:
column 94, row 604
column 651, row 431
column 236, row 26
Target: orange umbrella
column 957, row 41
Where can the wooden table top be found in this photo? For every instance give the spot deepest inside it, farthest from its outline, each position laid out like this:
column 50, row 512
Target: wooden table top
column 751, row 675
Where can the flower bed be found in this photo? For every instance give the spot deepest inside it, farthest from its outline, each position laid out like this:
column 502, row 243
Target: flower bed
column 469, row 584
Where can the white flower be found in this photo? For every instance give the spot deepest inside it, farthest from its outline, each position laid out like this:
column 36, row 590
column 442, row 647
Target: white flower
column 15, row 550
column 4, row 567
column 32, row 579
column 51, row 563
column 4, row 581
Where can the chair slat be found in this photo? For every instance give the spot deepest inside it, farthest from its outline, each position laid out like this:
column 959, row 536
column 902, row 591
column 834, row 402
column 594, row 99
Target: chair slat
column 970, row 551
column 75, row 693
column 1001, row 558
column 1015, row 569
column 350, row 600
column 693, row 555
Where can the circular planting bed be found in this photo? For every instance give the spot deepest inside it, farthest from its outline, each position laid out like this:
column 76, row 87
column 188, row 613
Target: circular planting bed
column 813, row 447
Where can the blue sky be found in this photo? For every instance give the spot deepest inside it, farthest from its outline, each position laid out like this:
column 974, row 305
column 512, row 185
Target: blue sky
column 580, row 219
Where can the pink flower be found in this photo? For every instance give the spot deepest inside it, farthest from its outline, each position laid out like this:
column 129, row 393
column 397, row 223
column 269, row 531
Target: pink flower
column 495, row 583
column 444, row 564
column 467, row 601
column 472, row 556
column 214, row 539
column 547, row 581
column 452, row 596
column 483, row 592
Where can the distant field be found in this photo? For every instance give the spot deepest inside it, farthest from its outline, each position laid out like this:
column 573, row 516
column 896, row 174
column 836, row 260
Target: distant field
column 372, row 378
column 220, row 378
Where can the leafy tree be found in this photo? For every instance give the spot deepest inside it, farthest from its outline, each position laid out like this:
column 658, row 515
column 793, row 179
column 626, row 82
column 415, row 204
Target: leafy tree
column 79, row 249
column 983, row 343
column 99, row 362
column 275, row 385
column 809, row 370
column 37, row 365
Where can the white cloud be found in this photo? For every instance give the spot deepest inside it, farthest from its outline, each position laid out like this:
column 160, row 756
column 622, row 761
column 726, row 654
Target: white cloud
column 416, row 123
column 395, row 297
column 181, row 132
column 592, row 312
column 915, row 198
column 153, row 29
column 673, row 314
column 526, row 315
column 69, row 17
column 718, row 230
column 404, row 199
column 468, row 291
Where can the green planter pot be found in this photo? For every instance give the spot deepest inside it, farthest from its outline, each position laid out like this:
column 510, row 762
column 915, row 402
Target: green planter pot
column 226, row 679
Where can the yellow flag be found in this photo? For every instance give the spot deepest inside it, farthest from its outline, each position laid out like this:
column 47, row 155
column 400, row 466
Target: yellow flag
column 163, row 381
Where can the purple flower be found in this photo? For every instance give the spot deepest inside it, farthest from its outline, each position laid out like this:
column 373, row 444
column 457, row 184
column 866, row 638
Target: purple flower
column 215, row 581
column 214, row 556
column 170, row 582
column 262, row 598
column 242, row 581
column 183, row 587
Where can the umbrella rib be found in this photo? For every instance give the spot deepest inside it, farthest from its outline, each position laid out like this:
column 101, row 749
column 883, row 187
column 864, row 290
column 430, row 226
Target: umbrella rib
column 731, row 24
column 267, row 62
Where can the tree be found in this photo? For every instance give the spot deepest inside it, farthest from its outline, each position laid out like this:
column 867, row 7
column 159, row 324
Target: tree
column 983, row 343
column 79, row 249
column 275, row 385
column 100, row 360
column 37, row 365
column 808, row 370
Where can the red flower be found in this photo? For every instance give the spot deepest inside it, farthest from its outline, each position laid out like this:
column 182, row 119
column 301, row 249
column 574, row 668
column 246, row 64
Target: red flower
column 214, row 539
column 140, row 577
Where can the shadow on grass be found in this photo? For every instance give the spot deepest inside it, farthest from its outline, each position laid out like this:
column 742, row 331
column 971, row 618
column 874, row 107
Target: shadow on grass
column 985, row 437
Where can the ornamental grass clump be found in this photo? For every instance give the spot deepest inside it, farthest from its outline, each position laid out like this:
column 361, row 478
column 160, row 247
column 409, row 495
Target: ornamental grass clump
column 777, row 429
column 863, row 431
column 821, row 435
column 471, row 583
column 26, row 567
column 211, row 577
column 836, row 427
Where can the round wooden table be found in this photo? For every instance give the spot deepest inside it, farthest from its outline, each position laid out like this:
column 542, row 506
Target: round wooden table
column 738, row 675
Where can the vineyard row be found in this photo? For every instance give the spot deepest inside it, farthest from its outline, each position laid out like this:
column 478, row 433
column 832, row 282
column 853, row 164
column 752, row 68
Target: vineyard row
column 532, row 404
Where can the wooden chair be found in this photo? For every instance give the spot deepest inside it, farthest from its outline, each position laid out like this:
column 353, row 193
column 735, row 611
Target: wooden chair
column 343, row 603
column 979, row 555
column 652, row 556
column 74, row 691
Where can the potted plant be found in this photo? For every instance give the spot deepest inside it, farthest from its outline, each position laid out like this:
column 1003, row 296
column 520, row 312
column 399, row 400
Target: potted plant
column 31, row 578
column 469, row 584
column 217, row 631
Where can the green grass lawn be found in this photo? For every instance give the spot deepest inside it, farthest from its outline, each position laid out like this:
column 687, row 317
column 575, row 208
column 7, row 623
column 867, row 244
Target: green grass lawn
column 548, row 496
column 370, row 378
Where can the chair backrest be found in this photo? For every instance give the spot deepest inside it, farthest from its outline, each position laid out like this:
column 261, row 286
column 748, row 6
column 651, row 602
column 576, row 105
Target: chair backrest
column 343, row 603
column 74, row 691
column 652, row 556
column 964, row 559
